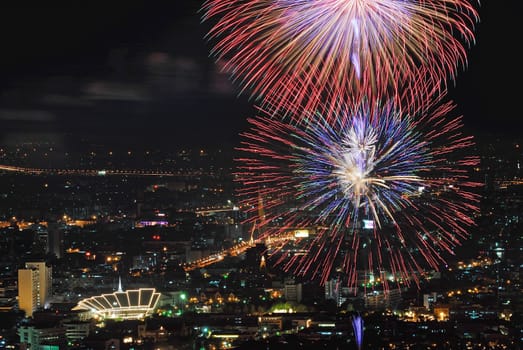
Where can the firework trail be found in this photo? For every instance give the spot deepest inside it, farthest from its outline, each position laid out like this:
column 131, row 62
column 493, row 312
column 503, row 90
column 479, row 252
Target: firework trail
column 293, row 54
column 357, row 325
column 382, row 189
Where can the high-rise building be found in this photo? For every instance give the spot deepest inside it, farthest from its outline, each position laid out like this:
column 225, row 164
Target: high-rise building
column 45, row 280
column 337, row 291
column 292, row 290
column 54, row 239
column 34, row 286
column 332, row 290
column 28, row 296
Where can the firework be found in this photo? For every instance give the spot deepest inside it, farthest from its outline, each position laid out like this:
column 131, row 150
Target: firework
column 357, row 326
column 296, row 53
column 382, row 191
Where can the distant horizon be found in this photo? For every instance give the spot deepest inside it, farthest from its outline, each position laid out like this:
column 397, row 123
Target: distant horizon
column 73, row 141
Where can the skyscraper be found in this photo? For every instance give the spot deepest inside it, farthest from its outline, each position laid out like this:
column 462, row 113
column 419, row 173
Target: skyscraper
column 28, row 296
column 34, row 286
column 54, row 240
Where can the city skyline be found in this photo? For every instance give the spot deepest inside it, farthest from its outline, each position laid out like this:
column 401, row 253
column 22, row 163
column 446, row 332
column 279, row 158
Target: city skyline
column 144, row 73
column 128, row 158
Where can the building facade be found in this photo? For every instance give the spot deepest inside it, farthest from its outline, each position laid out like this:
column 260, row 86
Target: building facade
column 34, row 286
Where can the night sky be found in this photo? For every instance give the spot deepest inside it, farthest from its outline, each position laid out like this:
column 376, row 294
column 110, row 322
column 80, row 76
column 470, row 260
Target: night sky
column 141, row 74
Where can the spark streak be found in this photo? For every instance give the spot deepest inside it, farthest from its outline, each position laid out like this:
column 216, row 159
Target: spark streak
column 293, row 54
column 405, row 175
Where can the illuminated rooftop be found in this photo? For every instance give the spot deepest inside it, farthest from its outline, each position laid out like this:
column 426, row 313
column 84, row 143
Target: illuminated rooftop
column 126, row 305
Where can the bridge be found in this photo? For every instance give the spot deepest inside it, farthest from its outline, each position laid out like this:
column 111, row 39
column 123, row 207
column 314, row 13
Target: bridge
column 240, row 248
column 95, row 172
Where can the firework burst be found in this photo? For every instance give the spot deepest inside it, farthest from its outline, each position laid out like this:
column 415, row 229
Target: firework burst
column 383, row 192
column 295, row 53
